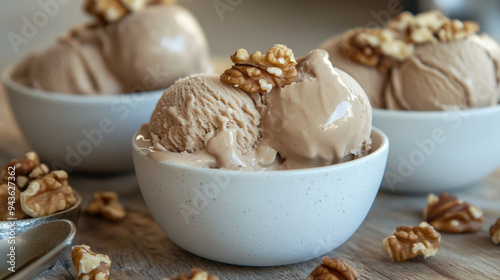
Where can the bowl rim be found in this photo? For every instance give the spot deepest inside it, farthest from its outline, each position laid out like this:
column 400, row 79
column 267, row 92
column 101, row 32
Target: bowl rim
column 8, row 82
column 74, row 207
column 432, row 114
column 383, row 147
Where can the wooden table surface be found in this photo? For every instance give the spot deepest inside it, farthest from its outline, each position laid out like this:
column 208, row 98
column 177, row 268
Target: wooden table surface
column 139, row 249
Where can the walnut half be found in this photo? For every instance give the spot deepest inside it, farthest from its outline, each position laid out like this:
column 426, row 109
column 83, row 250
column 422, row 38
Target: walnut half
column 47, row 195
column 407, row 242
column 25, row 170
column 376, row 48
column 195, row 274
column 495, row 232
column 261, row 72
column 10, row 205
column 448, row 213
column 106, row 204
column 89, row 265
column 108, row 11
column 333, row 269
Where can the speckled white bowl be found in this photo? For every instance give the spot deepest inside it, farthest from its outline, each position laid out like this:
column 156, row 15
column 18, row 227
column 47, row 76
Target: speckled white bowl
column 75, row 132
column 439, row 151
column 262, row 218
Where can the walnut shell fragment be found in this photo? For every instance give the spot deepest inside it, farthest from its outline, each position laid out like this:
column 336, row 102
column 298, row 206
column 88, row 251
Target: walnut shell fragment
column 495, row 232
column 333, row 269
column 106, row 204
column 195, row 274
column 47, row 195
column 89, row 265
column 408, row 242
column 261, row 72
column 448, row 213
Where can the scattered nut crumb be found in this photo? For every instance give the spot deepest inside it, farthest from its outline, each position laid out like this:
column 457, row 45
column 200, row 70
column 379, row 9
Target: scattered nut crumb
column 195, row 274
column 333, row 269
column 495, row 232
column 261, row 72
column 106, row 204
column 407, row 242
column 89, row 265
column 448, row 213
column 47, row 195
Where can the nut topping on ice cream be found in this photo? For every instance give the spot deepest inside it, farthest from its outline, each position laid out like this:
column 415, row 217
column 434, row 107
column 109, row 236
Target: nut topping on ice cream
column 423, row 62
column 261, row 72
column 113, row 10
column 313, row 115
column 146, row 50
column 376, row 47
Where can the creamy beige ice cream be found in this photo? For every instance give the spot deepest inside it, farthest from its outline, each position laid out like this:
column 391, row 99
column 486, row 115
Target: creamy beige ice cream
column 197, row 108
column 371, row 80
column 144, row 50
column 446, row 66
column 321, row 117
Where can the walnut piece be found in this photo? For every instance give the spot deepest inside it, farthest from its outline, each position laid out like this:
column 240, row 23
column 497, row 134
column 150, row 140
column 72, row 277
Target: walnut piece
column 495, row 232
column 261, row 72
column 456, row 30
column 431, row 26
column 195, row 274
column 25, row 170
column 89, row 265
column 47, row 195
column 407, row 242
column 376, row 47
column 333, row 269
column 447, row 213
column 10, row 204
column 108, row 11
column 106, row 204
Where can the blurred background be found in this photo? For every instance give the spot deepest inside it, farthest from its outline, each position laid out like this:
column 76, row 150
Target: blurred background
column 232, row 24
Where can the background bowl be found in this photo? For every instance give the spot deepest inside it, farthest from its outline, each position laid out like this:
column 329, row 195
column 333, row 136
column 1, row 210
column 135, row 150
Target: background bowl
column 439, row 151
column 75, row 132
column 72, row 214
column 263, row 218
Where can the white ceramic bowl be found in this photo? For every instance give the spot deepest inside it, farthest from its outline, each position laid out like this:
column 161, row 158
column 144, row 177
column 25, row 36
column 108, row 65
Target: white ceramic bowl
column 439, row 151
column 83, row 133
column 263, row 218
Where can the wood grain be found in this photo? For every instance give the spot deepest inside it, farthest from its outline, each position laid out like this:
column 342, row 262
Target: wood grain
column 139, row 249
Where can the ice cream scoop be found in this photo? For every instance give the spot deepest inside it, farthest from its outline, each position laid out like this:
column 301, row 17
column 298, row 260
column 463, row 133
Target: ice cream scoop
column 198, row 108
column 323, row 118
column 371, row 80
column 143, row 51
column 448, row 66
column 445, row 76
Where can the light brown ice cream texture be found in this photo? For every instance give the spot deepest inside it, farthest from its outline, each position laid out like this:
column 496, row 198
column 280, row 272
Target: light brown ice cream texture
column 322, row 118
column 442, row 75
column 146, row 50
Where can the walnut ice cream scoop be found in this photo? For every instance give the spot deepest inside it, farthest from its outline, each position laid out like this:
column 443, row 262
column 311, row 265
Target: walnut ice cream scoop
column 140, row 51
